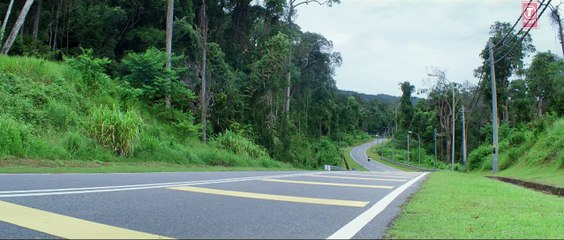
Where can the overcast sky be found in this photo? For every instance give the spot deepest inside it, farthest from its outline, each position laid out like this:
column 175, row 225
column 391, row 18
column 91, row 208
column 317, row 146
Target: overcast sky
column 385, row 42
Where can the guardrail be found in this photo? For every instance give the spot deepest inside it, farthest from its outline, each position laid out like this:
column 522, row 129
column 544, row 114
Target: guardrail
column 409, row 166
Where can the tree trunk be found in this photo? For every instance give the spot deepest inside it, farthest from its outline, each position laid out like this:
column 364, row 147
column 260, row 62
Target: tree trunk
column 36, row 20
column 289, row 77
column 560, row 33
column 169, row 20
column 58, row 16
column 8, row 12
column 17, row 26
column 506, row 112
column 68, row 23
column 204, row 29
column 556, row 19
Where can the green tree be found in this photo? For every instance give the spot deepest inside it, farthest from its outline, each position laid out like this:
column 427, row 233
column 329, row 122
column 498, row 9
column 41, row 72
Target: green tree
column 521, row 101
column 510, row 64
column 544, row 78
column 406, row 107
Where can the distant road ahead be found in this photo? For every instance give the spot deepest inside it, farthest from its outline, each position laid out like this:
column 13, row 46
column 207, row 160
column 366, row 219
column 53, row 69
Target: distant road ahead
column 358, row 154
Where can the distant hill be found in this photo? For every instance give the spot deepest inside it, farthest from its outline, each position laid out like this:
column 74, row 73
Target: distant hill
column 384, row 98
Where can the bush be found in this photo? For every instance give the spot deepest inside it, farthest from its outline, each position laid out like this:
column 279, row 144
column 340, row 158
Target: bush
column 238, row 144
column 115, row 130
column 478, row 155
column 60, row 116
column 517, row 138
column 147, row 72
column 14, row 137
column 512, row 155
column 92, row 69
column 327, row 153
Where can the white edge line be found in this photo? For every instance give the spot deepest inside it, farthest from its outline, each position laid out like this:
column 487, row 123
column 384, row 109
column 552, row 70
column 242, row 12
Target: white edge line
column 46, row 192
column 353, row 227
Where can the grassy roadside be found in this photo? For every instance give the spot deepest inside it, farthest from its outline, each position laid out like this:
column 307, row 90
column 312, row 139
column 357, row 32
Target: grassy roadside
column 455, row 205
column 352, row 163
column 545, row 175
column 376, row 157
column 69, row 166
column 541, row 174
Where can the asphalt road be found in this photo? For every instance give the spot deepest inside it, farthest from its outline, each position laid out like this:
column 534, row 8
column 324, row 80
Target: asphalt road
column 202, row 204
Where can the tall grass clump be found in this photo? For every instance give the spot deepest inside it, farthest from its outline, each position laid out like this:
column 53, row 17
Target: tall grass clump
column 14, row 137
column 238, row 144
column 115, row 130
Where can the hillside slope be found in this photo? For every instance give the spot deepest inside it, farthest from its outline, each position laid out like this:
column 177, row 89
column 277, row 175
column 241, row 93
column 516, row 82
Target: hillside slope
column 51, row 111
column 531, row 154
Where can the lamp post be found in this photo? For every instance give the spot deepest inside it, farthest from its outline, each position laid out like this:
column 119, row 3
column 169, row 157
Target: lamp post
column 407, row 147
column 382, row 142
column 453, row 126
column 418, row 146
column 435, row 139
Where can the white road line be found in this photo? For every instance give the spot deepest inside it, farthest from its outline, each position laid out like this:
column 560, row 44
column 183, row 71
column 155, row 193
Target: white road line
column 372, row 175
column 353, row 227
column 65, row 191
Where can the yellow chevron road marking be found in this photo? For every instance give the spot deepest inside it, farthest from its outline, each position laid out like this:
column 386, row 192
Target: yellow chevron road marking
column 65, row 226
column 359, row 178
column 327, row 184
column 322, row 201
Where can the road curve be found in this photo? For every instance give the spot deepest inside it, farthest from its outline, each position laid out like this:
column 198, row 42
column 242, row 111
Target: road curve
column 358, row 154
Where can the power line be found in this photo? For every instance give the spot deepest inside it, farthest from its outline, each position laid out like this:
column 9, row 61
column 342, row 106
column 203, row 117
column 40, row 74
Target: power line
column 500, row 43
column 474, row 99
column 524, row 35
column 513, row 27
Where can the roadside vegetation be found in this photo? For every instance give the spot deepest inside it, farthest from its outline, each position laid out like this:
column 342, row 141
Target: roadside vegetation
column 75, row 111
column 375, row 156
column 242, row 86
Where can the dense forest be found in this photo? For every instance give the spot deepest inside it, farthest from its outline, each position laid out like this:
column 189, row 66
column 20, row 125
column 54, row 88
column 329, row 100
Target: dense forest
column 241, row 74
column 207, row 69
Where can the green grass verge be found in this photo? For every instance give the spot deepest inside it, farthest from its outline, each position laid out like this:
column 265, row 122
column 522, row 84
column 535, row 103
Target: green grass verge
column 65, row 166
column 455, row 205
column 377, row 158
column 539, row 174
column 352, row 163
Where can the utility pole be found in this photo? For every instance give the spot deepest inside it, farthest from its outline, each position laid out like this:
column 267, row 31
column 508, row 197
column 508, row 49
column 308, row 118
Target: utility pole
column 387, row 134
column 395, row 120
column 407, row 147
column 169, row 25
column 435, row 139
column 453, row 126
column 463, row 137
column 419, row 149
column 382, row 141
column 391, row 148
column 494, row 110
column 418, row 145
